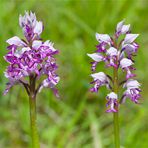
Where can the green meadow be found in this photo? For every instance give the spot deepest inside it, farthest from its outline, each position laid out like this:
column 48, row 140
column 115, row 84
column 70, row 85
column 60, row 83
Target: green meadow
column 78, row 118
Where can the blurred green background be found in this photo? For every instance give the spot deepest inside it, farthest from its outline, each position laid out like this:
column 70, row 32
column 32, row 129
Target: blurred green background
column 78, row 119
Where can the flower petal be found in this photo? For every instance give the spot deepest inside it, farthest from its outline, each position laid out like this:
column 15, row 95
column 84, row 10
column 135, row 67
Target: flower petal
column 96, row 57
column 36, row 44
column 103, row 38
column 132, row 84
column 125, row 29
column 15, row 41
column 112, row 95
column 38, row 28
column 125, row 63
column 119, row 26
column 129, row 38
column 112, row 51
column 99, row 76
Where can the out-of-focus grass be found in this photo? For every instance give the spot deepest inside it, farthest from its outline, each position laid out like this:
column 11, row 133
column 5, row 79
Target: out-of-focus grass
column 78, row 120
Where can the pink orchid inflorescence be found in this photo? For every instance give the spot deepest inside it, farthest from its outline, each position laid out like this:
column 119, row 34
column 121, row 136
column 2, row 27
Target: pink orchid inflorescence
column 31, row 57
column 116, row 52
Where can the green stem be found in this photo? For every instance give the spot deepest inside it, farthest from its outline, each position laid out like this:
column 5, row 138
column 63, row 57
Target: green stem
column 116, row 130
column 116, row 120
column 34, row 132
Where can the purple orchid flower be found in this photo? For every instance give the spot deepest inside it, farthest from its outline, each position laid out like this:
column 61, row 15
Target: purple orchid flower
column 31, row 57
column 112, row 102
column 31, row 64
column 116, row 54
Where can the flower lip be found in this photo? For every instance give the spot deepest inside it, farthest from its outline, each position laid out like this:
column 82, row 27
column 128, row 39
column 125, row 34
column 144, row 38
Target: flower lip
column 101, row 47
column 112, row 102
column 100, row 79
column 133, row 94
column 130, row 48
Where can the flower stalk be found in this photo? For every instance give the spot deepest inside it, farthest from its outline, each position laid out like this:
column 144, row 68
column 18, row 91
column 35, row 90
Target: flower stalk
column 34, row 131
column 116, row 130
column 115, row 114
column 33, row 115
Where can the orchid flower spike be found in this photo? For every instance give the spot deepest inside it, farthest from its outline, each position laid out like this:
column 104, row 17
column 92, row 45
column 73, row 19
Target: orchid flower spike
column 116, row 54
column 31, row 57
